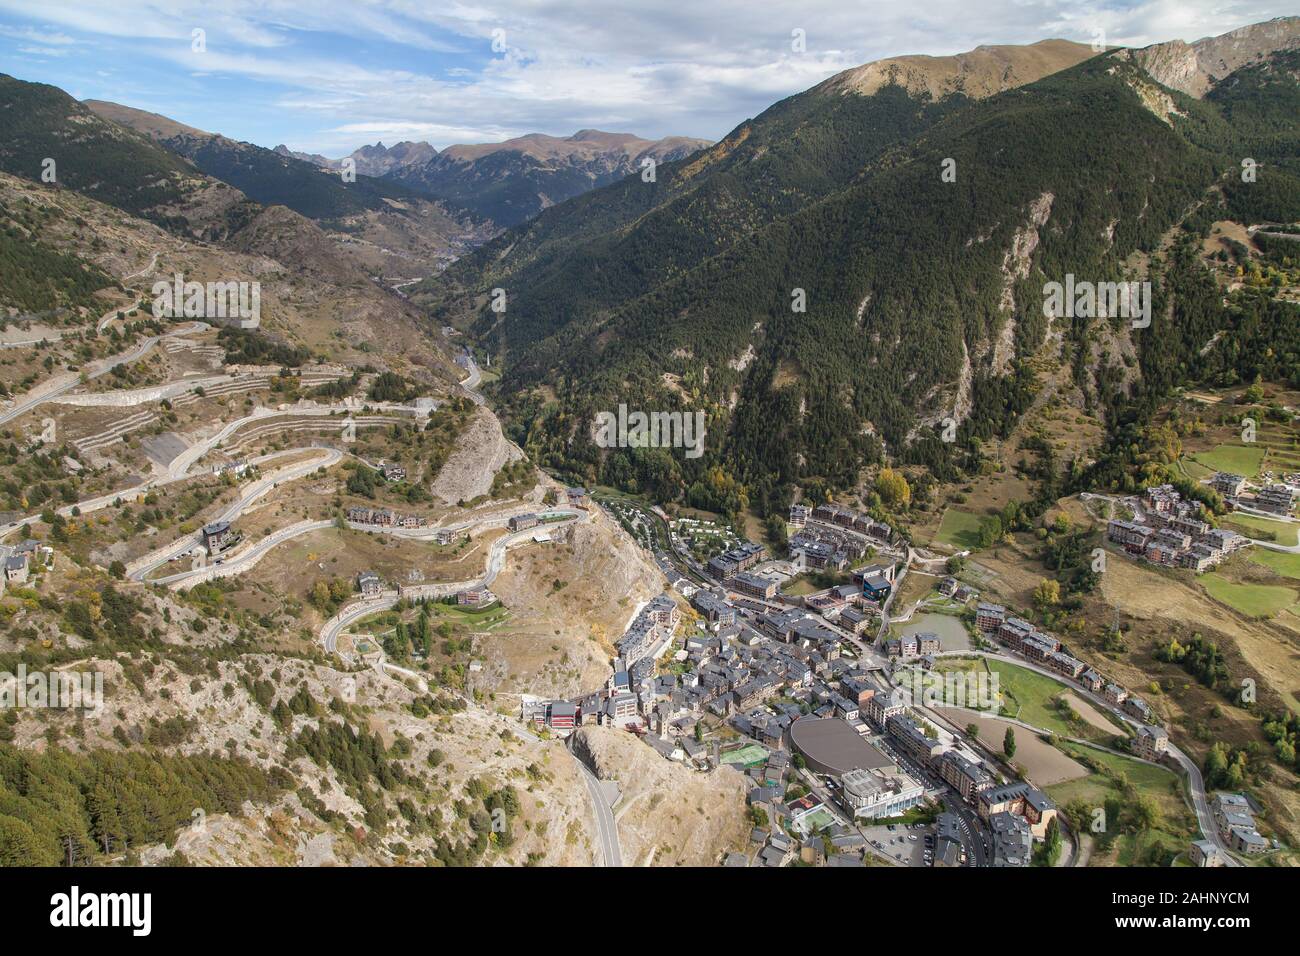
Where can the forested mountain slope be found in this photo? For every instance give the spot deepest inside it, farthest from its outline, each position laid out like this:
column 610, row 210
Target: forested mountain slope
column 40, row 123
column 923, row 294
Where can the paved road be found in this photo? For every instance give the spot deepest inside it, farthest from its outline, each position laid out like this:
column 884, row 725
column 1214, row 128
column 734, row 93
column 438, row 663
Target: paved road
column 107, row 318
column 325, row 458
column 351, row 613
column 131, row 494
column 244, row 560
column 471, row 382
column 145, row 271
column 1195, row 782
column 606, row 826
column 62, row 384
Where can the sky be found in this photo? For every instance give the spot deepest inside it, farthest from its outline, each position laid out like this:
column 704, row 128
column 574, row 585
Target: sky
column 327, row 76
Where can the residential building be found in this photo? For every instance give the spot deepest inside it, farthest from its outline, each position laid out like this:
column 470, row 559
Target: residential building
column 369, row 584
column 1228, row 484
column 967, row 776
column 740, row 558
column 16, row 569
column 1275, row 499
column 1012, row 840
column 1137, row 707
column 883, row 705
column 989, row 617
column 1151, row 743
column 218, row 536
column 754, row 585
column 475, row 597
column 909, row 736
column 713, row 608
column 522, row 522
column 621, row 707
column 1205, row 853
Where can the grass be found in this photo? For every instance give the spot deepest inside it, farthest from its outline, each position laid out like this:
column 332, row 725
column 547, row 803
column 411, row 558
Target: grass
column 1027, row 695
column 1237, row 459
column 1111, row 773
column 799, row 586
column 1283, row 563
column 1282, row 532
column 959, row 529
column 1253, row 600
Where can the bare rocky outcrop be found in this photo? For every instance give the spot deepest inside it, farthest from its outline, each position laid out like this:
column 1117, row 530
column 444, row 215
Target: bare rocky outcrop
column 668, row 814
column 481, row 451
column 1016, row 264
column 1194, row 68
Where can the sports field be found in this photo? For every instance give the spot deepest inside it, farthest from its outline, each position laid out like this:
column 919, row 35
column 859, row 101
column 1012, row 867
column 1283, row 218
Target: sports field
column 748, row 756
column 959, row 529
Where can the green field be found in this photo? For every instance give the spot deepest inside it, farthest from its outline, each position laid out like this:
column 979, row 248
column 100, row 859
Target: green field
column 1238, row 459
column 1283, row 532
column 1120, row 777
column 1254, row 600
column 959, row 529
column 1281, row 562
column 1027, row 696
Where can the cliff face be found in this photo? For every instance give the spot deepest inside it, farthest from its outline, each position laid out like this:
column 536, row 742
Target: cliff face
column 668, row 815
column 1194, row 68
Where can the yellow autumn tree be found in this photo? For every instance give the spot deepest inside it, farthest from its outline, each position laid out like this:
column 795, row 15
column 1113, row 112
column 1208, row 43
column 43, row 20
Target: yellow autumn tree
column 893, row 488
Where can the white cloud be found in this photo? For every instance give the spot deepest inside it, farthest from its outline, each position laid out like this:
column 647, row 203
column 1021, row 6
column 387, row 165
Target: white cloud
column 42, row 51
column 643, row 66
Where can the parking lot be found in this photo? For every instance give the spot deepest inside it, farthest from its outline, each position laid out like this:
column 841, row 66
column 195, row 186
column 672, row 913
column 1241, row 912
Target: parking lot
column 904, row 845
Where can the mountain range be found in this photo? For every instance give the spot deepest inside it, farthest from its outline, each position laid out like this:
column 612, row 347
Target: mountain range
column 832, row 280
column 922, row 290
column 511, row 181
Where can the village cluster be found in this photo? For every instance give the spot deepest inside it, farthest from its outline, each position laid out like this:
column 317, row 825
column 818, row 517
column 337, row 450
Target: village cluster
column 1169, row 530
column 811, row 698
column 1172, row 532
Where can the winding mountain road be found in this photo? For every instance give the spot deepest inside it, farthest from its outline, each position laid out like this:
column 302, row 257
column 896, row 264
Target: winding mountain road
column 62, row 384
column 325, row 458
column 358, row 609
